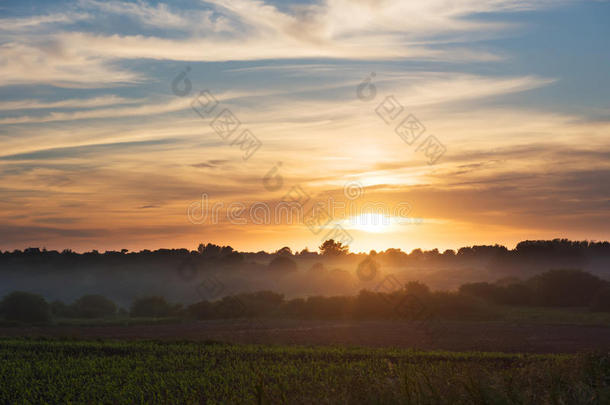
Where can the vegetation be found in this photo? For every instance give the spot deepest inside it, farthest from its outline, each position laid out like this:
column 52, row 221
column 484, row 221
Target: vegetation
column 52, row 371
column 94, row 306
column 153, row 307
column 414, row 301
column 282, row 264
column 175, row 273
column 554, row 288
column 332, row 248
column 22, row 306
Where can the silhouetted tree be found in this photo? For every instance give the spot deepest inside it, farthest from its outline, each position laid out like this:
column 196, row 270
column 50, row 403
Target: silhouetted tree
column 601, row 300
column 153, row 307
column 282, row 264
column 417, row 288
column 285, row 251
column 332, row 248
column 317, row 269
column 93, row 306
column 565, row 287
column 61, row 310
column 25, row 307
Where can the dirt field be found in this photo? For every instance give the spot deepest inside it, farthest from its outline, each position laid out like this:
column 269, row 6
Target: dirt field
column 455, row 336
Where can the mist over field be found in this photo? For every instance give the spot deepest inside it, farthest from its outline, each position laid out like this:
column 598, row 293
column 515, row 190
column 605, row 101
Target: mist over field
column 305, row 202
column 213, row 271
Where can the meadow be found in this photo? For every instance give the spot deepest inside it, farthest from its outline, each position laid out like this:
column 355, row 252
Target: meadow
column 124, row 372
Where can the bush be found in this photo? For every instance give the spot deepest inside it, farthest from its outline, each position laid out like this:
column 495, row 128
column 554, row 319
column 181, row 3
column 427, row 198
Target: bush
column 511, row 294
column 61, row 310
column 564, row 288
column 201, row 310
column 601, row 301
column 153, row 307
column 450, row 305
column 283, row 264
column 486, row 291
column 417, row 288
column 25, row 307
column 517, row 294
column 94, row 306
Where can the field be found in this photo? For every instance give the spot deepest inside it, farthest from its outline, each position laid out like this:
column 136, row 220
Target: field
column 516, row 334
column 72, row 371
column 531, row 356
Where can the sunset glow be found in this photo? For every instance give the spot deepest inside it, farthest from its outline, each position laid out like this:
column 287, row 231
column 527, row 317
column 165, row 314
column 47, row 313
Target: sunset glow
column 109, row 117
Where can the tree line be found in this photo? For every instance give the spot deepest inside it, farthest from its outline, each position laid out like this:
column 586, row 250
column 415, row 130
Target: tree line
column 414, row 300
column 527, row 255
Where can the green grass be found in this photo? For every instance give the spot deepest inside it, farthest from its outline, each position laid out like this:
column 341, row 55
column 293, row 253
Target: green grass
column 70, row 371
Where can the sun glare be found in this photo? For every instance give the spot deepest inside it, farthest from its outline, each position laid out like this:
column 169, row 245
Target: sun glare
column 371, row 222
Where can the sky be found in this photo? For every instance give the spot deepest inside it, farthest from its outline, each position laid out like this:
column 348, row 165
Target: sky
column 390, row 124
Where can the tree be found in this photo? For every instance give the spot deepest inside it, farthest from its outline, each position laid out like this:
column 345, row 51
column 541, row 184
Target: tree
column 317, row 269
column 153, row 307
column 25, row 307
column 201, row 310
column 93, row 306
column 367, row 269
column 601, row 300
column 285, row 251
column 484, row 290
column 61, row 310
column 282, row 264
column 232, row 259
column 417, row 288
column 565, row 287
column 332, row 248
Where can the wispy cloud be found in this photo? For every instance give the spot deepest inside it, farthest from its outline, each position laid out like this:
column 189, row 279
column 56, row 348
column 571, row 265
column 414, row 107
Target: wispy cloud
column 70, row 103
column 146, row 109
column 289, row 72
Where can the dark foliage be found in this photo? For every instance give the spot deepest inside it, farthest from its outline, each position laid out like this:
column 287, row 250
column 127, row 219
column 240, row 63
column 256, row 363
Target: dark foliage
column 554, row 288
column 25, row 307
column 282, row 264
column 93, row 306
column 565, row 288
column 601, row 300
column 153, row 307
column 366, row 305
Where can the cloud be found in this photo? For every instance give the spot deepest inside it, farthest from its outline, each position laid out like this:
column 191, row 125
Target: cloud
column 158, row 16
column 242, row 30
column 146, row 109
column 69, row 103
column 35, row 60
column 82, row 151
column 40, row 21
column 147, row 156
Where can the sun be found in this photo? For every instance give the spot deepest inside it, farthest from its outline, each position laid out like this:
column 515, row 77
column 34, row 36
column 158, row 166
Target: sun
column 371, row 222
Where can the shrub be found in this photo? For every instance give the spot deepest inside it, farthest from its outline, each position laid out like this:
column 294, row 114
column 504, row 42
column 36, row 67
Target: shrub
column 153, row 307
column 261, row 303
column 93, row 306
column 283, row 264
column 60, row 309
column 367, row 269
column 25, row 307
column 201, row 310
column 417, row 288
column 511, row 294
column 317, row 269
column 601, row 301
column 565, row 288
column 486, row 291
column 517, row 294
column 450, row 305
